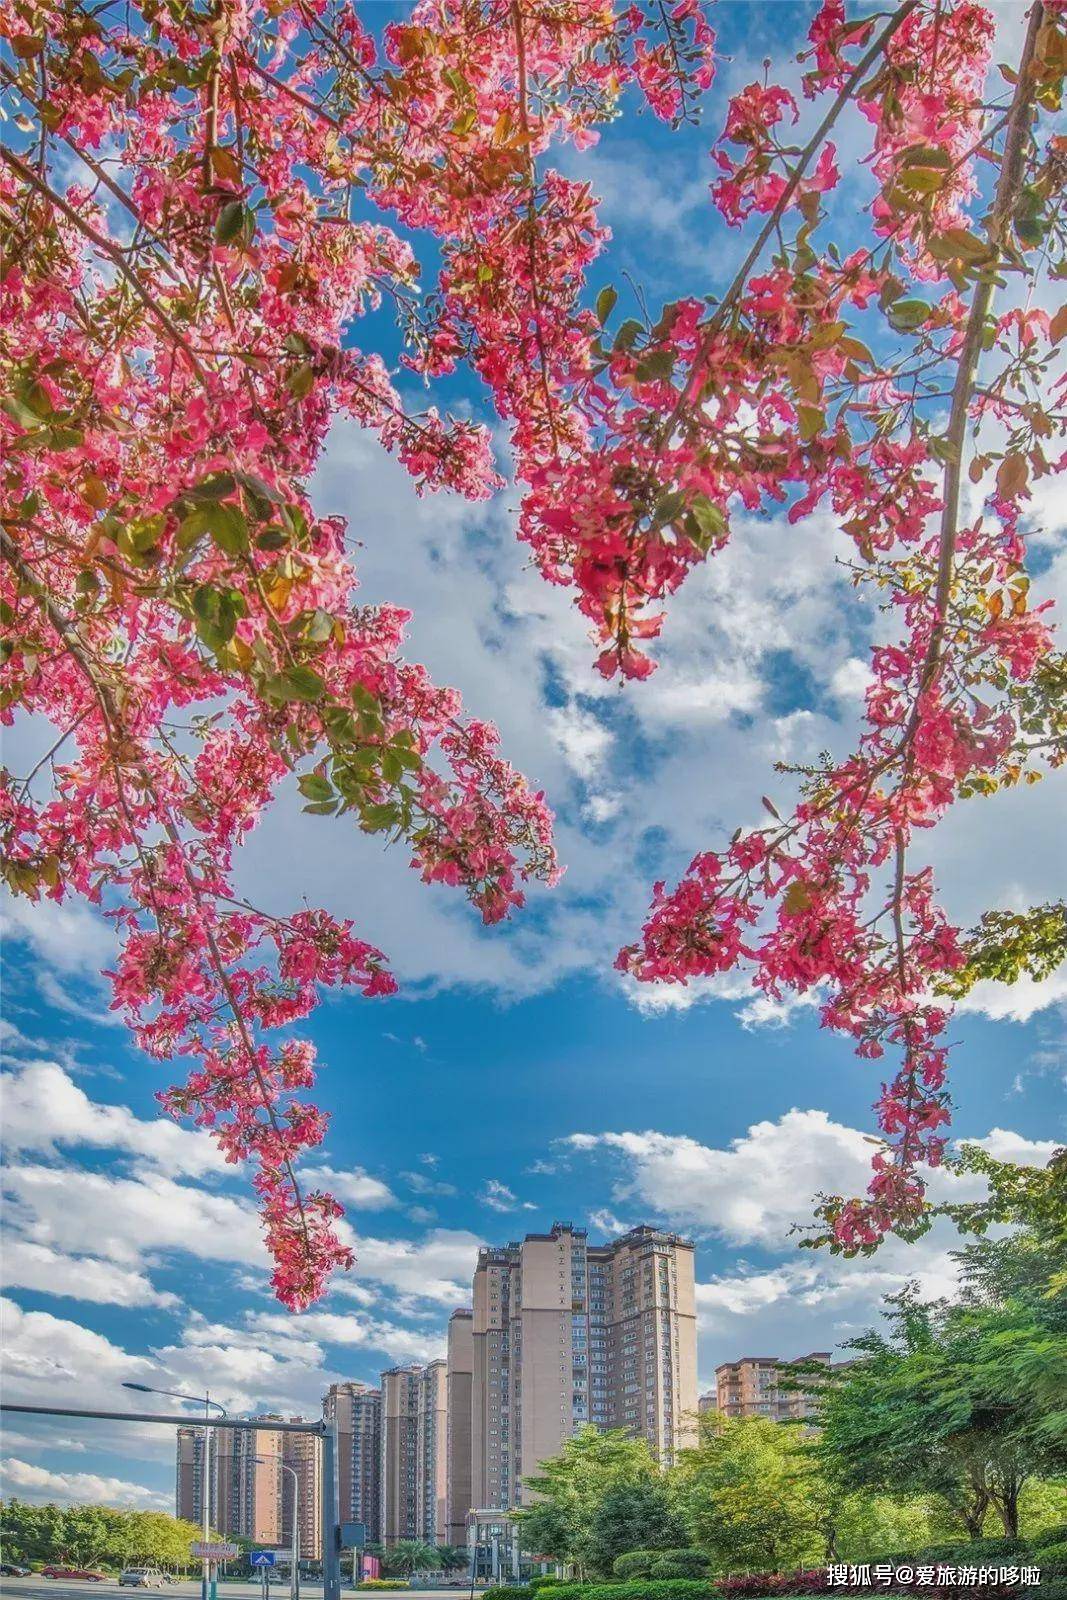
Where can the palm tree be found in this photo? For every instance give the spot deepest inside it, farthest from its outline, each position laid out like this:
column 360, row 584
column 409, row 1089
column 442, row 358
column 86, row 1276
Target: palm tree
column 453, row 1557
column 408, row 1556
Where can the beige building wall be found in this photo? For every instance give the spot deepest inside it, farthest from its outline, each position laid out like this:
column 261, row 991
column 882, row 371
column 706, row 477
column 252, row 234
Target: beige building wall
column 414, row 1464
column 459, row 1489
column 303, row 1453
column 751, row 1387
column 565, row 1334
column 248, row 1483
column 432, row 1497
column 355, row 1410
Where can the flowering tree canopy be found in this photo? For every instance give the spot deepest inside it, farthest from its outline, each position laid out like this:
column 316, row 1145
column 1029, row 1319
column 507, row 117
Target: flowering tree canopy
column 200, row 205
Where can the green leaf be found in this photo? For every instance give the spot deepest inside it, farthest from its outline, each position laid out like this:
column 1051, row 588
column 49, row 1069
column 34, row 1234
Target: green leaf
column 377, row 817
column 705, row 522
column 627, row 334
column 226, row 525
column 235, row 224
column 314, row 787
column 301, row 381
column 656, row 364
column 296, row 683
column 907, row 315
column 217, row 613
column 606, row 302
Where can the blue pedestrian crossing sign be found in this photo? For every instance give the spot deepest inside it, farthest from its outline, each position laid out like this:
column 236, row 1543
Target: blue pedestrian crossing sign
column 261, row 1558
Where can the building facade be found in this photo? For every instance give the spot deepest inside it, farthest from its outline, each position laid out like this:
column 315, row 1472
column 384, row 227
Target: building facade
column 565, row 1334
column 459, row 1382
column 302, row 1452
column 414, row 1463
column 355, row 1410
column 251, row 1497
column 189, row 1479
column 763, row 1386
column 248, row 1483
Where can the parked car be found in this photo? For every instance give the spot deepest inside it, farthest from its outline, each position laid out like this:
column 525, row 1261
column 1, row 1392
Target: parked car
column 84, row 1573
column 8, row 1569
column 141, row 1578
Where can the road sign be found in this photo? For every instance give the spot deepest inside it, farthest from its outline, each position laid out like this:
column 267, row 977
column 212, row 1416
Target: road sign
column 216, row 1551
column 261, row 1558
column 353, row 1535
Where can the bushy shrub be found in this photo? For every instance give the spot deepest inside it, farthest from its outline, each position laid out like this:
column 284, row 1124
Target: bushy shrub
column 1051, row 1558
column 958, row 1553
column 680, row 1564
column 1047, row 1536
column 383, row 1583
column 662, row 1564
column 507, row 1591
column 546, row 1581
column 634, row 1564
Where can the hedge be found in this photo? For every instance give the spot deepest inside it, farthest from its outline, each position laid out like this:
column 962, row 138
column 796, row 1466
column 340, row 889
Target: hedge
column 383, row 1583
column 662, row 1564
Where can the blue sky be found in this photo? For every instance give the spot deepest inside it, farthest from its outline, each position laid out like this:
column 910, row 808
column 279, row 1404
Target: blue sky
column 516, row 1080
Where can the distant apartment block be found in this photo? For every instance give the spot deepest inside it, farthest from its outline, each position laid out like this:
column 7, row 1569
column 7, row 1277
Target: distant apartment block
column 355, row 1410
column 754, row 1386
column 303, row 1454
column 459, row 1385
column 250, row 1496
column 414, row 1455
column 248, row 1483
column 565, row 1333
column 189, row 1481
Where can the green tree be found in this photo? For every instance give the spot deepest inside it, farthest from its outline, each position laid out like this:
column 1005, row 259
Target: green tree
column 941, row 1406
column 752, row 1495
column 31, row 1533
column 570, row 1488
column 634, row 1516
column 408, row 1556
column 83, row 1535
column 453, row 1557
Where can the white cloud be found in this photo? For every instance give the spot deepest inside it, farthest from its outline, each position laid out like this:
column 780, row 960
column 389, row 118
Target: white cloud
column 355, row 1188
column 395, row 1342
column 43, row 1108
column 498, row 1197
column 129, row 1219
column 761, row 1185
column 437, row 1267
column 35, row 1483
column 35, row 1266
column 70, row 937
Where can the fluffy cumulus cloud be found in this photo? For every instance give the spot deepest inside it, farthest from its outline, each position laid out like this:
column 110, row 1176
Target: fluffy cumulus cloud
column 752, row 1194
column 45, row 1110
column 30, row 1482
column 356, row 1188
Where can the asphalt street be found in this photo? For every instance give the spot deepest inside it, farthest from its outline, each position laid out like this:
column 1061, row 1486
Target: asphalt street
column 37, row 1588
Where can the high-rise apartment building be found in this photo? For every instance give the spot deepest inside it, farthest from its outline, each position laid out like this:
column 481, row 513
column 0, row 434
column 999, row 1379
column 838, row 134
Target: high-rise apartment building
column 302, row 1453
column 761, row 1386
column 248, row 1483
column 189, row 1480
column 564, row 1334
column 251, row 1496
column 414, row 1456
column 459, row 1382
column 355, row 1410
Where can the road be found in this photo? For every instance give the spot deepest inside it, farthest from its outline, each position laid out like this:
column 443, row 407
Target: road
column 37, row 1588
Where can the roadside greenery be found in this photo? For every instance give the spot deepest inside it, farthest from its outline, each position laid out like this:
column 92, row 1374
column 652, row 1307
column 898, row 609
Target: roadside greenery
column 93, row 1536
column 945, row 1429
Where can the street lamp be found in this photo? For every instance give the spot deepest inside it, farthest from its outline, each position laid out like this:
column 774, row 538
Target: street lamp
column 294, row 1549
column 205, row 1400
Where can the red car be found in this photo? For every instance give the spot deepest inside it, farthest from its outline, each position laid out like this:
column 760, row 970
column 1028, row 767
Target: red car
column 74, row 1572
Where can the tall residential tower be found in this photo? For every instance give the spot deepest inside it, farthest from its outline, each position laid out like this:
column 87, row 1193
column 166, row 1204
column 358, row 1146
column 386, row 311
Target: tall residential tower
column 565, row 1333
